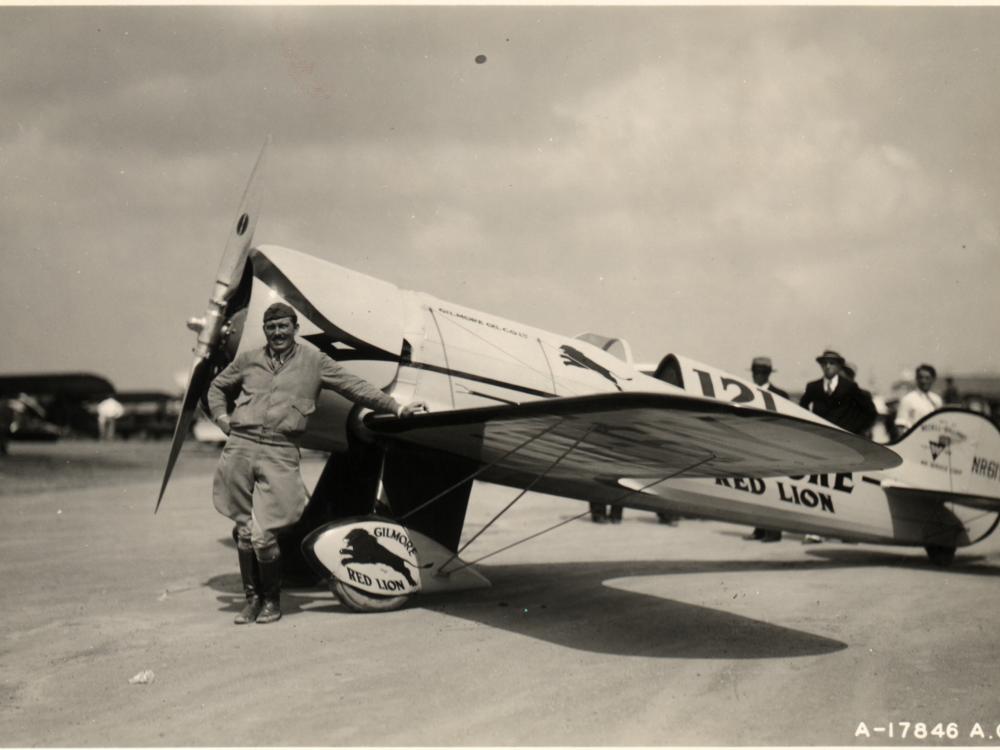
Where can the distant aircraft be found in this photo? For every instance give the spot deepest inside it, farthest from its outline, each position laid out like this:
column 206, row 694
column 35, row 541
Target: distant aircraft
column 522, row 407
column 147, row 414
column 47, row 405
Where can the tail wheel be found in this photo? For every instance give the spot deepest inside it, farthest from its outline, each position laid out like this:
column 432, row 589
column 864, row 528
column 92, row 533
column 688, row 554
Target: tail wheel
column 362, row 601
column 939, row 554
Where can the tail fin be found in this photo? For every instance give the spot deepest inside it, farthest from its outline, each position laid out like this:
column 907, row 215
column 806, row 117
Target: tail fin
column 951, row 451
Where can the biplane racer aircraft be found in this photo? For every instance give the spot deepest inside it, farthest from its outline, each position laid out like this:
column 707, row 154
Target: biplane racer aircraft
column 533, row 410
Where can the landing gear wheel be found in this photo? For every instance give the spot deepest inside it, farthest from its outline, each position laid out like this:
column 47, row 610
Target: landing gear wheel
column 940, row 555
column 362, row 601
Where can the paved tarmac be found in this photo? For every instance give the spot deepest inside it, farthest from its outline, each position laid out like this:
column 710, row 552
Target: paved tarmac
column 635, row 634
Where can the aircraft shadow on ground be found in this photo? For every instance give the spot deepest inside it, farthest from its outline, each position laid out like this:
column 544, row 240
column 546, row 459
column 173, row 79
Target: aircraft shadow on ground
column 601, row 618
column 569, row 604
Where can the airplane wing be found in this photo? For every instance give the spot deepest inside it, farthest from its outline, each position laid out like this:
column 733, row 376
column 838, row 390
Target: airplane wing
column 72, row 385
column 604, row 438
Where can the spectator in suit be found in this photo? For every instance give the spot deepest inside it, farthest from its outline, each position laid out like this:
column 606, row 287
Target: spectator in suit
column 865, row 413
column 836, row 398
column 761, row 369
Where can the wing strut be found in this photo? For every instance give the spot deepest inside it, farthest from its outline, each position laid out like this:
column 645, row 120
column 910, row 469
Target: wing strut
column 564, row 521
column 479, row 471
column 509, row 505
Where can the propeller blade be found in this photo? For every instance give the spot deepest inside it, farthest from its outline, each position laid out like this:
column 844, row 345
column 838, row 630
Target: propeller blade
column 201, row 372
column 241, row 234
column 209, row 328
column 234, row 257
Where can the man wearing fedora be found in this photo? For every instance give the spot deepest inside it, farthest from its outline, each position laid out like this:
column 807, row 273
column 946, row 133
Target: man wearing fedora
column 761, row 369
column 836, row 397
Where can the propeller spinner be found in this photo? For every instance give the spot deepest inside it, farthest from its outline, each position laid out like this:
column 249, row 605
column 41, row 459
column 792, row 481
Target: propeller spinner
column 211, row 327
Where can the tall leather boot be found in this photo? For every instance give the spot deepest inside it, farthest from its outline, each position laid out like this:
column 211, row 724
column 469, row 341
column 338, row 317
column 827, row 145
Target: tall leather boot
column 270, row 581
column 250, row 574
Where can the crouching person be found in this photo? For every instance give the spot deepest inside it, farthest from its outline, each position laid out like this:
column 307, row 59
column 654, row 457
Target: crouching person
column 258, row 483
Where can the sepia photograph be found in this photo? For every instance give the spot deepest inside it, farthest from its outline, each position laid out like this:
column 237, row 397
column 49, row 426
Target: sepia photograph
column 537, row 374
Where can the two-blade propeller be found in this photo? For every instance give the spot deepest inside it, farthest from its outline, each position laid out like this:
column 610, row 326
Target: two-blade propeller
column 210, row 328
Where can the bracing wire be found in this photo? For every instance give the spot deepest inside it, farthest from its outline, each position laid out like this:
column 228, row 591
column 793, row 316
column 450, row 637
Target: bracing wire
column 617, row 500
column 521, row 494
column 479, row 471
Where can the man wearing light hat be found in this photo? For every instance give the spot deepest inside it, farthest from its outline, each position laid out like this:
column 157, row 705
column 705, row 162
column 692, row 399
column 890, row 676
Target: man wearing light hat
column 761, row 369
column 836, row 397
column 258, row 484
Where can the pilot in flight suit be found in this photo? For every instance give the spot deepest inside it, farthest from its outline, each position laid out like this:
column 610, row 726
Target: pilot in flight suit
column 257, row 483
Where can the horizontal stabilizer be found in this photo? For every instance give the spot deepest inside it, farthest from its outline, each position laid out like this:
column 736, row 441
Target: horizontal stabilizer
column 991, row 504
column 608, row 437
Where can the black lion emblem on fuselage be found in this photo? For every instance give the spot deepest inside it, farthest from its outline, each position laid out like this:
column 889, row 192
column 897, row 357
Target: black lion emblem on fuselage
column 361, row 547
column 575, row 358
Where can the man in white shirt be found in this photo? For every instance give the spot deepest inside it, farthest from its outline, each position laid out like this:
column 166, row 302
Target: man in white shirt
column 919, row 402
column 109, row 411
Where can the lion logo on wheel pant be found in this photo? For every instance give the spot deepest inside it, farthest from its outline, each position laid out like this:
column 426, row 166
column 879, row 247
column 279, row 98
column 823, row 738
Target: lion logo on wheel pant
column 362, row 548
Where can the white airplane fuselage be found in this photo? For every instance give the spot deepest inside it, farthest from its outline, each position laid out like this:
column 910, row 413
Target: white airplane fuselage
column 453, row 357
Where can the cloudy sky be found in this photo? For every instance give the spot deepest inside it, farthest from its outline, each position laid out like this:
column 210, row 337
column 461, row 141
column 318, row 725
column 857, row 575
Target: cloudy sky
column 718, row 182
